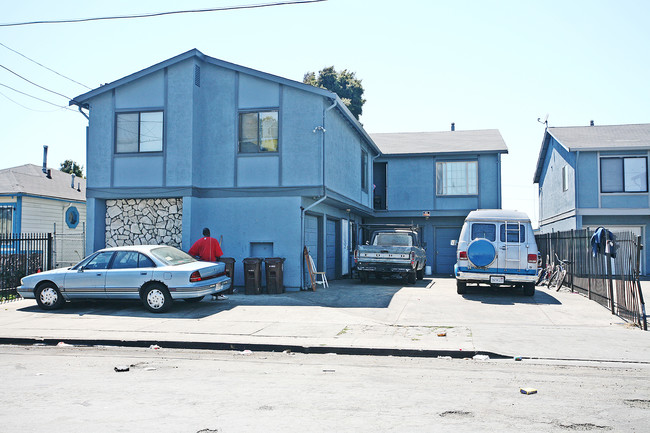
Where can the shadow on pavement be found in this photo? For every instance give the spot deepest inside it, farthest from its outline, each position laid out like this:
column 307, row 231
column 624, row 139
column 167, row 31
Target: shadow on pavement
column 508, row 296
column 340, row 294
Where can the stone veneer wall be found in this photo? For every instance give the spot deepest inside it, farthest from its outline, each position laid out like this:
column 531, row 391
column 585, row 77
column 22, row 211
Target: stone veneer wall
column 144, row 222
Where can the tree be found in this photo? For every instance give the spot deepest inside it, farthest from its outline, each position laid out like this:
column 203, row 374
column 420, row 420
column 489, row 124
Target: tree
column 344, row 83
column 69, row 166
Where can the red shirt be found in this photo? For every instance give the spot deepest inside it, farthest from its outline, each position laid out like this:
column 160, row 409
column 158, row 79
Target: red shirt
column 207, row 248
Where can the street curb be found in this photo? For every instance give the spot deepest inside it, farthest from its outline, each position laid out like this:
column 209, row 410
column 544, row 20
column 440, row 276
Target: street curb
column 367, row 351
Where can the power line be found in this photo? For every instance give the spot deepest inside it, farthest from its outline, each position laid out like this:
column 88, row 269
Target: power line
column 28, row 108
column 158, row 14
column 33, row 83
column 35, row 97
column 43, row 66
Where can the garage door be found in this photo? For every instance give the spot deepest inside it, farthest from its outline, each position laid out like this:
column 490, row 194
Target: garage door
column 445, row 254
column 331, row 235
column 311, row 240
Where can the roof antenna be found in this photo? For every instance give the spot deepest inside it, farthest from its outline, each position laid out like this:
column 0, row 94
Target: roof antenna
column 545, row 122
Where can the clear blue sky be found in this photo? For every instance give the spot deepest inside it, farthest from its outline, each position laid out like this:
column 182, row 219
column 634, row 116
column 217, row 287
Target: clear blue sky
column 424, row 64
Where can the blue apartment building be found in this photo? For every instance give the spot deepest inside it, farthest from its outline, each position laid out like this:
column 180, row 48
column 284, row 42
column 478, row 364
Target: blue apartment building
column 269, row 165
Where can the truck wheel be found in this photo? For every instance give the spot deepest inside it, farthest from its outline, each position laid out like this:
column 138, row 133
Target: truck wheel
column 363, row 277
column 420, row 274
column 411, row 278
column 461, row 287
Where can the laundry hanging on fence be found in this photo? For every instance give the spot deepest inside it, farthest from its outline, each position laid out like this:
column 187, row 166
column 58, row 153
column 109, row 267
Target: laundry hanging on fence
column 602, row 242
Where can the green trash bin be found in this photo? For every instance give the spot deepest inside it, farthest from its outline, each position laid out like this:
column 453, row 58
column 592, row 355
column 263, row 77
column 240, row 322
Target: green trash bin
column 230, row 271
column 253, row 275
column 274, row 267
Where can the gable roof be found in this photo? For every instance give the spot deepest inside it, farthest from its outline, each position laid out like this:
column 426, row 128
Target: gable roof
column 29, row 179
column 594, row 138
column 82, row 100
column 611, row 137
column 405, row 143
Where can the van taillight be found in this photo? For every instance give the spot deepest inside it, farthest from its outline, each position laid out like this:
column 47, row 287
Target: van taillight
column 462, row 255
column 532, row 258
column 196, row 276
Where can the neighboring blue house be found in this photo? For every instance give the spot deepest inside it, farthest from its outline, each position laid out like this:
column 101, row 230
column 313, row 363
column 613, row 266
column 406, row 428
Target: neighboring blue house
column 268, row 164
column 434, row 179
column 591, row 176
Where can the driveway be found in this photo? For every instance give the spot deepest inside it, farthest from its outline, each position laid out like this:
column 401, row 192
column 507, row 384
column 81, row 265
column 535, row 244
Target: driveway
column 383, row 317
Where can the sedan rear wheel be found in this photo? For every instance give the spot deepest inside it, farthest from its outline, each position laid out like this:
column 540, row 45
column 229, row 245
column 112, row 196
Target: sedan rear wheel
column 156, row 298
column 48, row 296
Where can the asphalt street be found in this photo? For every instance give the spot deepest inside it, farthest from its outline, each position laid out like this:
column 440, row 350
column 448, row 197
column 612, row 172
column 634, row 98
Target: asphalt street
column 77, row 389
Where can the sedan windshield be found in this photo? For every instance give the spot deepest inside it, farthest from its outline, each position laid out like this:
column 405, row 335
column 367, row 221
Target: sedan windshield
column 171, row 256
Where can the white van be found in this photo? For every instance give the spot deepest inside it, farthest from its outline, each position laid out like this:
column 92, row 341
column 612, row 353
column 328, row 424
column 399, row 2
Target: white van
column 496, row 247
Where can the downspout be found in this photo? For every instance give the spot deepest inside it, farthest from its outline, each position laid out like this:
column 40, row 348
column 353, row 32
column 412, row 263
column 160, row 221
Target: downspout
column 317, row 202
column 499, row 189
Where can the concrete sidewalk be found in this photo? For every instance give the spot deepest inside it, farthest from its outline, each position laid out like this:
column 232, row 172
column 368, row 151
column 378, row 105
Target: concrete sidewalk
column 383, row 317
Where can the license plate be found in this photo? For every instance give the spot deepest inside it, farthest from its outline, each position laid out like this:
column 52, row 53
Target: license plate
column 497, row 279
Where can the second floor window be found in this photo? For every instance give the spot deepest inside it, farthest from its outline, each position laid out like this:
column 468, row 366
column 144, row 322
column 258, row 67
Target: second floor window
column 629, row 174
column 457, row 178
column 139, row 132
column 258, row 132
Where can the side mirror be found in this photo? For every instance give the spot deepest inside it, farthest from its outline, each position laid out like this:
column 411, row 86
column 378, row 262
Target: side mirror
column 453, row 242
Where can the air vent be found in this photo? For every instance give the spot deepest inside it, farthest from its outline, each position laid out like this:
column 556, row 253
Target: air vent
column 197, row 75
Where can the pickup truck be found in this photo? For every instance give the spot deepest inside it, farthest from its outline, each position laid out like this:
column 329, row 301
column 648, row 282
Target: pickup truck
column 391, row 251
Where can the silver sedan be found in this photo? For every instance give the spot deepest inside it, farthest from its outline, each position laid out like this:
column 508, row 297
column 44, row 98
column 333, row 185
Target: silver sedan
column 154, row 274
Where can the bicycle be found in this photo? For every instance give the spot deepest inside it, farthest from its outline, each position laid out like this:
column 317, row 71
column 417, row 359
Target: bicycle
column 545, row 274
column 559, row 274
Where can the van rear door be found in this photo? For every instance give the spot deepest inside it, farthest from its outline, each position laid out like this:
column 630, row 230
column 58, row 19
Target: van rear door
column 511, row 246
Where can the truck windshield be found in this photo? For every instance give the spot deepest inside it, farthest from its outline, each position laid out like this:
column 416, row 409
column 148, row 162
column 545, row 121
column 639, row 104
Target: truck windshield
column 393, row 239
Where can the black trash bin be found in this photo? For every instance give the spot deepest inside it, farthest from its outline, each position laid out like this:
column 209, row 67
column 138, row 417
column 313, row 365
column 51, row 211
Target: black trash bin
column 253, row 276
column 230, row 271
column 274, row 267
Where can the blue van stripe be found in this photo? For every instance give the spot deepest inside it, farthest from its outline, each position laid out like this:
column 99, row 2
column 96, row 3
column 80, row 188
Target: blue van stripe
column 498, row 271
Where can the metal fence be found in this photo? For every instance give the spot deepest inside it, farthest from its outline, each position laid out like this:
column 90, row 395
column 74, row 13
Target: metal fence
column 612, row 280
column 22, row 254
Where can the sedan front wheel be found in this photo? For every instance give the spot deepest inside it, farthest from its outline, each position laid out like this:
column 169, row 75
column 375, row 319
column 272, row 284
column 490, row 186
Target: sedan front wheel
column 156, row 298
column 48, row 296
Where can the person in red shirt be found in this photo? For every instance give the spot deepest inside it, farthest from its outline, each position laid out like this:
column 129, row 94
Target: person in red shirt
column 207, row 249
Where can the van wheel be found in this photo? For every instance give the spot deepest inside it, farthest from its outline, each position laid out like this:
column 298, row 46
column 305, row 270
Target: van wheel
column 461, row 287
column 529, row 289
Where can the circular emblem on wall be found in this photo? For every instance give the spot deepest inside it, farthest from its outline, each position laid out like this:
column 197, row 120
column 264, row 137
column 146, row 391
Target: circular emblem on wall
column 72, row 217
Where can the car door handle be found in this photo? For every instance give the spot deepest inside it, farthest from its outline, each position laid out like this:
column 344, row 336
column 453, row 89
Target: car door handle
column 99, row 274
column 143, row 273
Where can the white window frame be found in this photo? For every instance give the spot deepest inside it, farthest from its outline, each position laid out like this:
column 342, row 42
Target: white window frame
column 443, row 176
